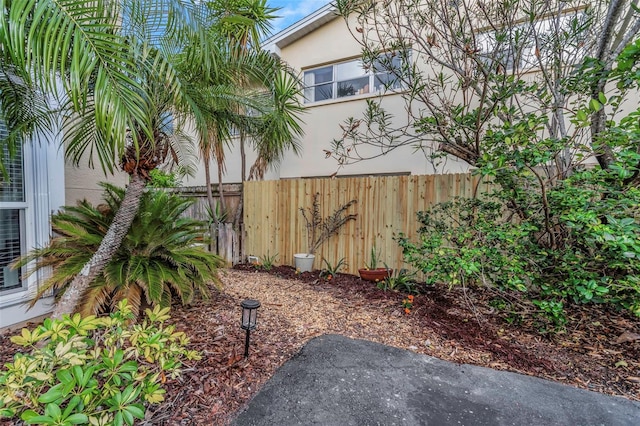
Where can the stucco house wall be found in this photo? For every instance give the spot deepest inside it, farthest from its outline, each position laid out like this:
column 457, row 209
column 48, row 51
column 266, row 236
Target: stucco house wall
column 325, row 40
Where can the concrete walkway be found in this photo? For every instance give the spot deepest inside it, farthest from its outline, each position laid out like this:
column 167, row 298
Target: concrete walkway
column 335, row 380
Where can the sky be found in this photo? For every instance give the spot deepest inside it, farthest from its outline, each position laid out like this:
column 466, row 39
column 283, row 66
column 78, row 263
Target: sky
column 292, row 11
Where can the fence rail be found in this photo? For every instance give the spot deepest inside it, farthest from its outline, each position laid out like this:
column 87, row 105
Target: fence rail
column 386, row 207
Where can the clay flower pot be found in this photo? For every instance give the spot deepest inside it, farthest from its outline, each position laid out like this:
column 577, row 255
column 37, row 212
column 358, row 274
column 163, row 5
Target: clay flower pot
column 378, row 274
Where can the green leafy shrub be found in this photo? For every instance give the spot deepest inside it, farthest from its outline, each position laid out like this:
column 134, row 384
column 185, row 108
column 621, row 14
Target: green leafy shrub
column 464, row 242
column 581, row 246
column 98, row 371
column 161, row 258
column 600, row 260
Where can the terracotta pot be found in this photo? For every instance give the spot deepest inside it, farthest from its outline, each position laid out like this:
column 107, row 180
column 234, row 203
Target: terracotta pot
column 378, row 274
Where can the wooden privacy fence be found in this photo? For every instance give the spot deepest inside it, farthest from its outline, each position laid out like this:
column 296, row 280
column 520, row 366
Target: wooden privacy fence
column 225, row 240
column 386, row 207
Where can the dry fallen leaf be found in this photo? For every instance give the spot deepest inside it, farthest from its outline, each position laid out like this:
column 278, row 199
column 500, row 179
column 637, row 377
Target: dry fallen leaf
column 627, row 336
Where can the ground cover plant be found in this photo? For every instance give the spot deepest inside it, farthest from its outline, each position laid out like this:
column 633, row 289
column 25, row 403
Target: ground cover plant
column 598, row 349
column 88, row 370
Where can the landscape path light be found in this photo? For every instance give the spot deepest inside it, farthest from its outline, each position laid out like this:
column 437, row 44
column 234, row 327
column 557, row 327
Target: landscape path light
column 249, row 319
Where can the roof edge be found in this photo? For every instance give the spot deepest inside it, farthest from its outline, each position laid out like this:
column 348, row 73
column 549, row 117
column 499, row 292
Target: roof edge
column 300, row 28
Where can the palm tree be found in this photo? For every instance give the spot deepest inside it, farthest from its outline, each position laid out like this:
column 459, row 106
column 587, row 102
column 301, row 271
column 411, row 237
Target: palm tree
column 272, row 120
column 159, row 260
column 112, row 87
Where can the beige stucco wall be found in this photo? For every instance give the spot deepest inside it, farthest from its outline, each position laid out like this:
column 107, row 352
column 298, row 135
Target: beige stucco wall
column 329, row 44
column 82, row 182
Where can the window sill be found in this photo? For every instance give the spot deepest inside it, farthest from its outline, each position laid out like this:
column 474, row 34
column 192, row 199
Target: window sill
column 354, row 98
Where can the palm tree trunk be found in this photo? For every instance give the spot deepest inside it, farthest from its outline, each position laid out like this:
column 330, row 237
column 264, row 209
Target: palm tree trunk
column 243, row 158
column 207, row 180
column 223, row 205
column 212, row 205
column 108, row 247
column 243, row 168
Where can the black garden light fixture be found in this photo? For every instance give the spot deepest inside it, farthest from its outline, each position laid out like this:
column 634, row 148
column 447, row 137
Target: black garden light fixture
column 249, row 318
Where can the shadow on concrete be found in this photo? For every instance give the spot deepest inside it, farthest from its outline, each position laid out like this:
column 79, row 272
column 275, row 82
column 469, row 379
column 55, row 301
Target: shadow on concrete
column 335, row 380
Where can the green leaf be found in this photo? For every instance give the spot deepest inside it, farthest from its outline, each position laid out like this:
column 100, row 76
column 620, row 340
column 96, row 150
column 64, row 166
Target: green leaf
column 137, row 410
column 77, row 419
column 27, row 414
column 65, row 377
column 602, row 98
column 40, row 420
column 53, row 410
column 6, row 412
column 128, row 417
column 117, row 419
column 51, row 395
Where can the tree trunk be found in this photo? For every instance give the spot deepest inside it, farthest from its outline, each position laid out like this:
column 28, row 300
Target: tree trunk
column 207, row 179
column 212, row 205
column 243, row 168
column 243, row 158
column 603, row 152
column 220, row 190
column 108, row 247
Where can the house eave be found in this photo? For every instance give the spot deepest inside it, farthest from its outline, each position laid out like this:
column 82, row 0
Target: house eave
column 300, row 29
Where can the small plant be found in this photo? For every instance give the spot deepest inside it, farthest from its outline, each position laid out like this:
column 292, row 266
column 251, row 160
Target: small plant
column 330, row 271
column 97, row 371
column 374, row 259
column 402, row 280
column 162, row 179
column 321, row 229
column 407, row 304
column 268, row 262
column 217, row 215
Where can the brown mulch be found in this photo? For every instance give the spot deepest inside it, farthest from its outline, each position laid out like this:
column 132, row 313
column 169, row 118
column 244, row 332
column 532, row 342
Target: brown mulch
column 599, row 349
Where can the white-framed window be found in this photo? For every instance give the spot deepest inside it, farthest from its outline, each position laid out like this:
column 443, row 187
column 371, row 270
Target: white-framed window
column 12, row 215
column 516, row 47
column 351, row 78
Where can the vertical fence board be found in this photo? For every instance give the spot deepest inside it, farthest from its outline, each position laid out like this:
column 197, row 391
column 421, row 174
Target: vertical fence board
column 386, row 207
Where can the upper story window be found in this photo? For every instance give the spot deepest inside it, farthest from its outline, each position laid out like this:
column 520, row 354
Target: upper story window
column 352, row 78
column 527, row 45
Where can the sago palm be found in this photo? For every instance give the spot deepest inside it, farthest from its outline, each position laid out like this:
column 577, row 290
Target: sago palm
column 161, row 258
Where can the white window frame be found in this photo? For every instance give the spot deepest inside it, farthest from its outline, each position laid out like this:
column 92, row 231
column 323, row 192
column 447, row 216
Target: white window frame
column 525, row 56
column 21, row 207
column 335, row 82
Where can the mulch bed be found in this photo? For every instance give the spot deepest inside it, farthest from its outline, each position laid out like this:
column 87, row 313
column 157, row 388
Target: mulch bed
column 599, row 349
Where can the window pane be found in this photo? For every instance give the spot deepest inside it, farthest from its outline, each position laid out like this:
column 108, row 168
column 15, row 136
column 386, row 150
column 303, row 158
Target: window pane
column 12, row 186
column 356, row 86
column 318, row 76
column 386, row 63
column 386, row 82
column 349, row 70
column 318, row 93
column 9, row 248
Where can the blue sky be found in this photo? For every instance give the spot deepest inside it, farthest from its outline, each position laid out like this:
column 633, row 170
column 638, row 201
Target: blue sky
column 293, row 10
